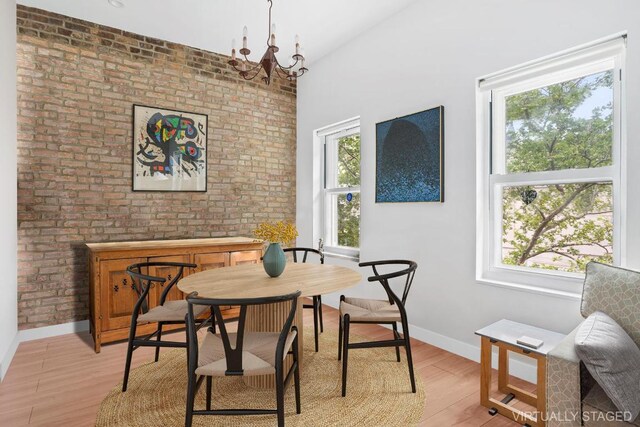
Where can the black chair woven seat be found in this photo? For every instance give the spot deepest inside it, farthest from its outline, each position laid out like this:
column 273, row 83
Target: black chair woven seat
column 242, row 353
column 165, row 313
column 390, row 312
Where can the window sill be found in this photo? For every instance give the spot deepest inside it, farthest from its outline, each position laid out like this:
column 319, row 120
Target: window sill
column 539, row 290
column 354, row 257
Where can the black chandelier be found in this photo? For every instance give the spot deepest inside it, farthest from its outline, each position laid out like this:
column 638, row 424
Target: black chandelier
column 269, row 63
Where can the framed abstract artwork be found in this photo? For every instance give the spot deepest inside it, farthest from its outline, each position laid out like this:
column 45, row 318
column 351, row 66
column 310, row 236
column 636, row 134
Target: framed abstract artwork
column 169, row 150
column 410, row 158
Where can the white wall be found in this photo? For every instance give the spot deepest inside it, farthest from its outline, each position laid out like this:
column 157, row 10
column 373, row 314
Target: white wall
column 428, row 55
column 8, row 188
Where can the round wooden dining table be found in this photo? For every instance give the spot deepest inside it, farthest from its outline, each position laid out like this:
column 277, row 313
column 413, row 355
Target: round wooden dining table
column 251, row 281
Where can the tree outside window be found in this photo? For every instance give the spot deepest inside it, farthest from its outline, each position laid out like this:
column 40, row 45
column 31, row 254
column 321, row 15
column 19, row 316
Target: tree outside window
column 563, row 126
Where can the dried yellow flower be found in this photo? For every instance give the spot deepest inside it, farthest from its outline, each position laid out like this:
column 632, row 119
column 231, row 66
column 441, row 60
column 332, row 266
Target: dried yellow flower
column 278, row 232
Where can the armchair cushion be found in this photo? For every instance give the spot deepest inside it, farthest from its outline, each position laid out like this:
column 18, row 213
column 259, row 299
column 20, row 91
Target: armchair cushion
column 613, row 359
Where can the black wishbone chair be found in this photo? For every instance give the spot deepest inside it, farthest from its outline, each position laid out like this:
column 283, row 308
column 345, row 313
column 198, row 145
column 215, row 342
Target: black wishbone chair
column 360, row 310
column 241, row 353
column 165, row 313
column 317, row 300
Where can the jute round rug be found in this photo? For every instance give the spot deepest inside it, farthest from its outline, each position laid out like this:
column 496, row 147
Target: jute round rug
column 378, row 392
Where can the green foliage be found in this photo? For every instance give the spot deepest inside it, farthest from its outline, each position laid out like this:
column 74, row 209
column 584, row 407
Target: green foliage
column 567, row 225
column 349, row 176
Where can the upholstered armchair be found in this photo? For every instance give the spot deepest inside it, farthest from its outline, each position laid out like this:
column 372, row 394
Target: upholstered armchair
column 573, row 397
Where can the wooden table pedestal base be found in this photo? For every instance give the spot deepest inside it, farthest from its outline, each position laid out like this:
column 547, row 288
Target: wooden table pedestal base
column 271, row 318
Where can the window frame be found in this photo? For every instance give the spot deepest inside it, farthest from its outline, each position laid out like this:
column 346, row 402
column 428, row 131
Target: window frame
column 491, row 93
column 326, row 215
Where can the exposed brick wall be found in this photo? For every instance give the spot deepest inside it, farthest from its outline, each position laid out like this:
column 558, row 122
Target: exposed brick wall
column 77, row 82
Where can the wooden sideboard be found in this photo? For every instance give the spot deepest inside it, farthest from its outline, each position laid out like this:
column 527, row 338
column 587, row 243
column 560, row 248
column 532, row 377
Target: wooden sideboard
column 111, row 289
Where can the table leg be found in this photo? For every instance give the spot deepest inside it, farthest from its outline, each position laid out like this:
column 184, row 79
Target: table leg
column 485, row 371
column 271, row 318
column 503, row 370
column 502, row 406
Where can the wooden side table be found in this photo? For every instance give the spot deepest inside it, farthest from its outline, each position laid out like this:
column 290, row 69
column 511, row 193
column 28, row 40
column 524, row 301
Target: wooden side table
column 504, row 335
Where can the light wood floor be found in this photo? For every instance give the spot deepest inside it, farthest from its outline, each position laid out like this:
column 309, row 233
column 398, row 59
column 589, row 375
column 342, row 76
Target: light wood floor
column 60, row 381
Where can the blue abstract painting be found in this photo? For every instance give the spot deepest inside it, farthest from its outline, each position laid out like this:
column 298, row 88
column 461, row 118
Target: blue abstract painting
column 410, row 158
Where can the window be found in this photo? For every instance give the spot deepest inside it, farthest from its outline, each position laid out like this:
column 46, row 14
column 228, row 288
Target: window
column 551, row 178
column 340, row 193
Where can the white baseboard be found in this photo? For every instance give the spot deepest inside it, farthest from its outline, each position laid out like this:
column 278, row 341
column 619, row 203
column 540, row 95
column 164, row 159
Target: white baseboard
column 5, row 362
column 53, row 331
column 517, row 368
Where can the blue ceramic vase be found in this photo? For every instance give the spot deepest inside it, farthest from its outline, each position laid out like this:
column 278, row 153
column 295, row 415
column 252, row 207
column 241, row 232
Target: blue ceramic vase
column 274, row 260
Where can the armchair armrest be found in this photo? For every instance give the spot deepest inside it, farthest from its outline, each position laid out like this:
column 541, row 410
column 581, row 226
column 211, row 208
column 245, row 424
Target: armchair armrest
column 563, row 385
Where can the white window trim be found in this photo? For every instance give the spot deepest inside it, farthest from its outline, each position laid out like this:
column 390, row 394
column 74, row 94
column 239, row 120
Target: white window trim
column 587, row 59
column 345, row 127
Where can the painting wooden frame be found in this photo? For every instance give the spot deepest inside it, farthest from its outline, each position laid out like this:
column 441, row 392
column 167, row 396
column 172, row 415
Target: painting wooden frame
column 169, row 150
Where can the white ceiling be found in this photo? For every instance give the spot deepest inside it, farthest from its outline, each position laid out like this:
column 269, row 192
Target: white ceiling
column 323, row 25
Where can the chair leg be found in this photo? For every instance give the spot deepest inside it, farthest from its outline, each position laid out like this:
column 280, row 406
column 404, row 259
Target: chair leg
column 191, row 393
column 340, row 330
column 407, row 340
column 280, row 394
column 213, row 322
column 320, row 313
column 340, row 338
column 395, row 337
column 127, row 363
column 159, row 338
column 345, row 350
column 209, row 386
column 315, row 321
column 296, row 375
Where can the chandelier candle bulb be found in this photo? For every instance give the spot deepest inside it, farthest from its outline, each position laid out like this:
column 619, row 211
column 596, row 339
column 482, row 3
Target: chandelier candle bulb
column 269, row 66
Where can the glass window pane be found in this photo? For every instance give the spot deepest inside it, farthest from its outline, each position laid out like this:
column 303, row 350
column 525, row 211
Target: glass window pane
column 557, row 227
column 567, row 125
column 347, row 219
column 349, row 161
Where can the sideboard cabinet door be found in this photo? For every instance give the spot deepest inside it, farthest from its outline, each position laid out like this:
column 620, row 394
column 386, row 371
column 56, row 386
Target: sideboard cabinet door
column 117, row 293
column 209, row 261
column 245, row 257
